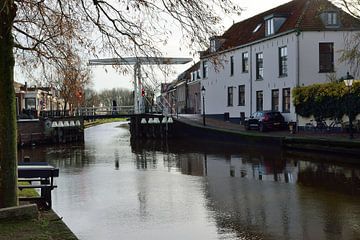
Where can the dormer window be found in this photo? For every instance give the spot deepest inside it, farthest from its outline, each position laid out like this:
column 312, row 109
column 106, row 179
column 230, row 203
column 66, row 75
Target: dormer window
column 274, row 22
column 212, row 45
column 215, row 43
column 332, row 18
column 270, row 27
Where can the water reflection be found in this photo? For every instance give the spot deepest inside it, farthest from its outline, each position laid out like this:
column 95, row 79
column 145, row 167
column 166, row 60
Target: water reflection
column 252, row 163
column 114, row 188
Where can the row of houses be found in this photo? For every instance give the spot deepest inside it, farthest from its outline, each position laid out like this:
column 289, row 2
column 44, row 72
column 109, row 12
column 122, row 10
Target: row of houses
column 257, row 62
column 31, row 100
column 183, row 94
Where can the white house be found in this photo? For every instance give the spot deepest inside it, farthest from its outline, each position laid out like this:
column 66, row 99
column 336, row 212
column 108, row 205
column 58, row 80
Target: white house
column 256, row 63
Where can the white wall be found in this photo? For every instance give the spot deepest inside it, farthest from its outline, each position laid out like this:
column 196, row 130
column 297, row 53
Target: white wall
column 272, row 80
column 219, row 78
column 218, row 81
column 309, row 56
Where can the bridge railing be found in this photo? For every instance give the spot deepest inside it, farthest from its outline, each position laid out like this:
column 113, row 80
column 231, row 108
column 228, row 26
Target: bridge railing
column 165, row 107
column 113, row 110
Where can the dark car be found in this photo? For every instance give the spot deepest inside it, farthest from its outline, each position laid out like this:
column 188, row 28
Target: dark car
column 265, row 120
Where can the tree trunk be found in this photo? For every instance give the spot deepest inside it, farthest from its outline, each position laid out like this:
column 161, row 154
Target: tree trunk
column 8, row 127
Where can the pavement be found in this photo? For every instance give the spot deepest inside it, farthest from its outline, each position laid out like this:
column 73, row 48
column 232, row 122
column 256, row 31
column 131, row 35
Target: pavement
column 197, row 119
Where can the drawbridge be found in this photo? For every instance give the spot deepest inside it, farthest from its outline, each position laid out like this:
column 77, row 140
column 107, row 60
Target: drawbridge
column 137, row 62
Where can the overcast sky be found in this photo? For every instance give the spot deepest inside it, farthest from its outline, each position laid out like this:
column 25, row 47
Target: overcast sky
column 110, row 79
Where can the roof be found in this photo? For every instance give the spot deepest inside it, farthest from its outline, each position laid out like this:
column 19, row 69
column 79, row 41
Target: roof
column 186, row 75
column 302, row 15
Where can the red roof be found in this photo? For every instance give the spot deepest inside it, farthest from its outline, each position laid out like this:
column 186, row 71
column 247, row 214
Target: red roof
column 301, row 15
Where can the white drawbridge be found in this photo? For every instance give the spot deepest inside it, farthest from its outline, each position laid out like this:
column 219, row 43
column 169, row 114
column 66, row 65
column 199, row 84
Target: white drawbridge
column 139, row 105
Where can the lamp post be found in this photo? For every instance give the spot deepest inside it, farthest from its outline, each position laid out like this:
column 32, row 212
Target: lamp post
column 203, row 97
column 348, row 83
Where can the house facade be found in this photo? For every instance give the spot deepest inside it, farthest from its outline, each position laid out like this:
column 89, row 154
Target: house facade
column 30, row 101
column 183, row 94
column 257, row 62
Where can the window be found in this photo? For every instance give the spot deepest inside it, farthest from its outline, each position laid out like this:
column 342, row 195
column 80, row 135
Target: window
column 230, row 96
column 270, row 27
column 259, row 100
column 331, row 18
column 212, row 45
column 30, row 103
column 275, row 100
column 198, row 74
column 286, row 100
column 205, row 68
column 231, row 65
column 257, row 28
column 241, row 95
column 326, row 57
column 259, row 66
column 245, row 62
column 283, row 61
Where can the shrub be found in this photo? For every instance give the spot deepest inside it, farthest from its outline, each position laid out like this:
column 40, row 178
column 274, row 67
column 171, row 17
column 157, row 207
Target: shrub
column 328, row 100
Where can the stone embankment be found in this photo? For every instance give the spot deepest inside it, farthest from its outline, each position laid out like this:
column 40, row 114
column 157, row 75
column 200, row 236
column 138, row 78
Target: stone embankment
column 191, row 126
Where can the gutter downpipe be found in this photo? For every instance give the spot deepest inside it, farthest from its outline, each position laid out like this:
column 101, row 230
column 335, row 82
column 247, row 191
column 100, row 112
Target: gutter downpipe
column 297, row 70
column 251, row 80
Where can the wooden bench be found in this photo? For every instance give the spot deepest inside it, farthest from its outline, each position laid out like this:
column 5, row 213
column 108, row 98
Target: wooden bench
column 40, row 176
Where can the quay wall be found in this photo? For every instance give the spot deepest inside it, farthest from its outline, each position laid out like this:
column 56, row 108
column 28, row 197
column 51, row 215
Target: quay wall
column 186, row 130
column 44, row 131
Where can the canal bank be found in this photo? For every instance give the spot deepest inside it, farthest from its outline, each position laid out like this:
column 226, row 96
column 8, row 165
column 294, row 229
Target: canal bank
column 187, row 126
column 48, row 225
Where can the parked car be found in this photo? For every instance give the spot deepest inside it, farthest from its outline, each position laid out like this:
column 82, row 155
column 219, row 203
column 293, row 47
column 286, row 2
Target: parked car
column 265, row 120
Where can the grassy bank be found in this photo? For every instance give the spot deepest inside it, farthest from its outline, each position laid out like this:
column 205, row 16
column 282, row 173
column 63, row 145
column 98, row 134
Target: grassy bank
column 96, row 122
column 47, row 226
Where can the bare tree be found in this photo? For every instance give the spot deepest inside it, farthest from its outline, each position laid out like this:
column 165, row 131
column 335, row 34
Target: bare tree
column 351, row 53
column 91, row 98
column 71, row 80
column 122, row 97
column 36, row 33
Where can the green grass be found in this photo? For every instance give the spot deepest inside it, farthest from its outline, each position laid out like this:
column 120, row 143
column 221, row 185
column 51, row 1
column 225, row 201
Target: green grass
column 27, row 192
column 47, row 226
column 96, row 122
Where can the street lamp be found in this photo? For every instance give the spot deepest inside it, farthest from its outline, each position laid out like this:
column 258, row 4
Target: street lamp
column 348, row 83
column 203, row 96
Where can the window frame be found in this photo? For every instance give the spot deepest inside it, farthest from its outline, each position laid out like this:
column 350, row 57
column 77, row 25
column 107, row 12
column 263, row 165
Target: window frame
column 231, row 65
column 245, row 62
column 275, row 104
column 283, row 57
column 259, row 66
column 270, row 28
column 205, row 69
column 230, row 96
column 326, row 58
column 332, row 19
column 241, row 95
column 286, row 100
column 30, row 99
column 259, row 99
column 212, row 45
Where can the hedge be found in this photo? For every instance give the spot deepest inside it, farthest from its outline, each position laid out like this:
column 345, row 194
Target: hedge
column 328, row 100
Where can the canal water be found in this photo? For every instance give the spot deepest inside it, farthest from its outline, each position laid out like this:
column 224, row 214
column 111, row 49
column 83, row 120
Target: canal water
column 112, row 188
